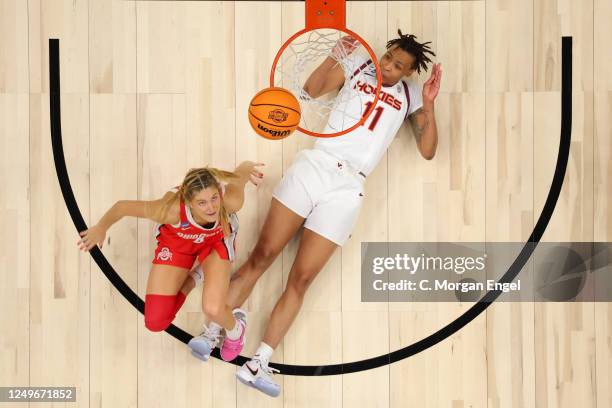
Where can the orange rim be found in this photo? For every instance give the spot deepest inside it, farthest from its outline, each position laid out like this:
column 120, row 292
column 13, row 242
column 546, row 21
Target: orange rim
column 378, row 79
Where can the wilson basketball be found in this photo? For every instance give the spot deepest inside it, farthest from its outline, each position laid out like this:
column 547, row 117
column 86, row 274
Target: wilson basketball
column 274, row 113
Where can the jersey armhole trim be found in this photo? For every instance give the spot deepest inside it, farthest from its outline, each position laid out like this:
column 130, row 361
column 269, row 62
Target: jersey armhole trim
column 361, row 68
column 407, row 98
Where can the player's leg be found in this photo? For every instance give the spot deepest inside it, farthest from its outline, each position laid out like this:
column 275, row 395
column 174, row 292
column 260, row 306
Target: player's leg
column 214, row 293
column 164, row 296
column 214, row 305
column 313, row 253
column 193, row 279
column 328, row 226
column 281, row 224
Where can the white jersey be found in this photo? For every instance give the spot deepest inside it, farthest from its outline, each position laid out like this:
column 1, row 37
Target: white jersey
column 364, row 147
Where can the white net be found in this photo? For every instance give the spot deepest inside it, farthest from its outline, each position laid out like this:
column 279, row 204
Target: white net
column 337, row 110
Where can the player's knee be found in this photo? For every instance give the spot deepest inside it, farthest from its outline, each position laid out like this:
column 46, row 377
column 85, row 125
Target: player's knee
column 159, row 311
column 213, row 309
column 299, row 283
column 157, row 325
column 262, row 257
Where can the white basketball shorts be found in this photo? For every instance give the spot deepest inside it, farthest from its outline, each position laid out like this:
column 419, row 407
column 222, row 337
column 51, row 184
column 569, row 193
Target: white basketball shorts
column 324, row 190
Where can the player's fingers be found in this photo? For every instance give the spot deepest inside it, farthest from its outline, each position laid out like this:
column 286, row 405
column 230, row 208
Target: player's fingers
column 256, row 180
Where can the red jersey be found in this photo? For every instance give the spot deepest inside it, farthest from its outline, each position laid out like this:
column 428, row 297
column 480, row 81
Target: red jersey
column 179, row 244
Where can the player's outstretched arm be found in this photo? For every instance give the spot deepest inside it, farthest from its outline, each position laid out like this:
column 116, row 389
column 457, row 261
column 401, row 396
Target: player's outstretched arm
column 96, row 234
column 233, row 200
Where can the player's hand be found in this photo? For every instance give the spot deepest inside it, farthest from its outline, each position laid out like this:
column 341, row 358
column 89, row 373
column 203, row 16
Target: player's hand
column 344, row 47
column 432, row 85
column 252, row 169
column 91, row 237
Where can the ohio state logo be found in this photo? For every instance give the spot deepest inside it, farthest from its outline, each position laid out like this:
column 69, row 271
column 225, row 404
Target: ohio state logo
column 164, row 254
column 278, row 115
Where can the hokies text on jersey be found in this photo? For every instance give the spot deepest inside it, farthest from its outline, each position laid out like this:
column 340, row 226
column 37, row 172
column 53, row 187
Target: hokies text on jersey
column 383, row 97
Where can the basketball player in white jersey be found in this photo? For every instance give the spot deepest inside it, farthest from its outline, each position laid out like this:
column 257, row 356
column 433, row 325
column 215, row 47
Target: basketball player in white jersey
column 324, row 187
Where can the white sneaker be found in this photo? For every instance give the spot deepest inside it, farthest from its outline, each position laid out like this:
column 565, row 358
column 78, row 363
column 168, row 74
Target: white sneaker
column 258, row 375
column 202, row 345
column 197, row 274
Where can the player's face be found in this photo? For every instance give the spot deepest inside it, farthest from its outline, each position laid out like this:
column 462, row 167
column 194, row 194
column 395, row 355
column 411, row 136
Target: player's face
column 207, row 203
column 394, row 64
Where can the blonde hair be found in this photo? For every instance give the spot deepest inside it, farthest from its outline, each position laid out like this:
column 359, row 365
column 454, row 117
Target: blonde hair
column 196, row 180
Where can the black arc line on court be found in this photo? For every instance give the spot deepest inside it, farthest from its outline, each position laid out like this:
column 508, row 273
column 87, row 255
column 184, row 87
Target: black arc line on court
column 344, row 368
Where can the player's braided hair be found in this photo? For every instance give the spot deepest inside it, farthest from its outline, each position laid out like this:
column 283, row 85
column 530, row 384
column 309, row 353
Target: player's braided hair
column 196, row 180
column 408, row 43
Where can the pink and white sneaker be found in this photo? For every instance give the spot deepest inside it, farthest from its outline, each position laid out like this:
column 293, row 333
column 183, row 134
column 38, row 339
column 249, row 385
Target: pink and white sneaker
column 232, row 348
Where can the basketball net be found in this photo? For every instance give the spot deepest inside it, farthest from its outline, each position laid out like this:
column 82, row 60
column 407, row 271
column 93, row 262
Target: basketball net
column 348, row 106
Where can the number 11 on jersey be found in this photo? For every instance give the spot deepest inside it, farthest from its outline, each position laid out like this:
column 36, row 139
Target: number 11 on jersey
column 376, row 116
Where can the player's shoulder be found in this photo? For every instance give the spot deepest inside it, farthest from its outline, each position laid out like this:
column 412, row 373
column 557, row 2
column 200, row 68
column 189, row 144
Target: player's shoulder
column 414, row 93
column 173, row 211
column 412, row 85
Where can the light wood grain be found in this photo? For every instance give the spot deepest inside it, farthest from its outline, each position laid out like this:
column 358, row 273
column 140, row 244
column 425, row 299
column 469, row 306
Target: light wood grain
column 153, row 88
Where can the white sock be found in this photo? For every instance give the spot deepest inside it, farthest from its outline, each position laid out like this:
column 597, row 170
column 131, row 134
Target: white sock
column 264, row 352
column 234, row 333
column 197, row 274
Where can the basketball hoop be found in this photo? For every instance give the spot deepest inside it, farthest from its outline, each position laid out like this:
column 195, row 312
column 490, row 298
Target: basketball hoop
column 326, row 35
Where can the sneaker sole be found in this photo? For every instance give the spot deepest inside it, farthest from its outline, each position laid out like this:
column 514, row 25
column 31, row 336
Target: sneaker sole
column 199, row 356
column 243, row 380
column 199, row 350
column 248, row 381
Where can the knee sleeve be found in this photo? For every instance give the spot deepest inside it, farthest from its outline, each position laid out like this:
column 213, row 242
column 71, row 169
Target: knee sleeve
column 180, row 299
column 160, row 310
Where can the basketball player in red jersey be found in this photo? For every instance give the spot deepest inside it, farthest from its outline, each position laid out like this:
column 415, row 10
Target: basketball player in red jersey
column 324, row 188
column 197, row 221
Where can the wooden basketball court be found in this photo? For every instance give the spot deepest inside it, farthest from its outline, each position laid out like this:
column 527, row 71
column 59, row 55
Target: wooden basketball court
column 153, row 88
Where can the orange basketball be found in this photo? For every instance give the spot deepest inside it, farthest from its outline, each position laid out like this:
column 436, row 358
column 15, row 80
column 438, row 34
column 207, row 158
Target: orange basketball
column 274, row 113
